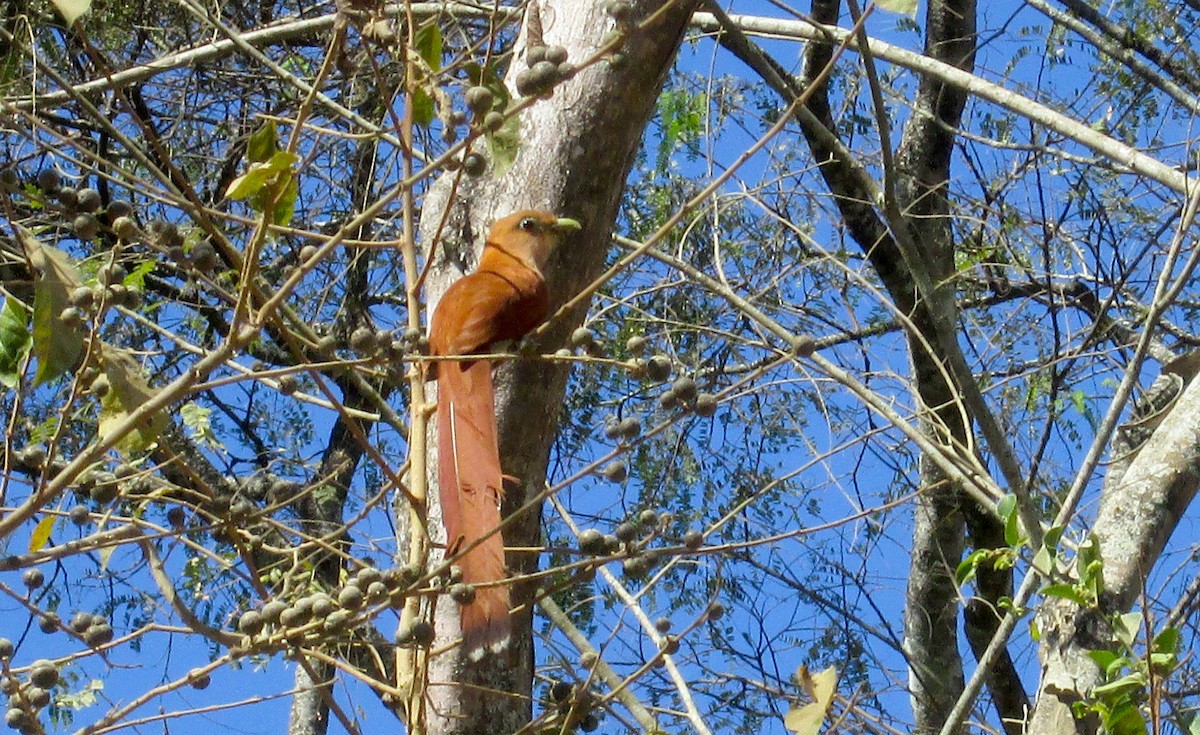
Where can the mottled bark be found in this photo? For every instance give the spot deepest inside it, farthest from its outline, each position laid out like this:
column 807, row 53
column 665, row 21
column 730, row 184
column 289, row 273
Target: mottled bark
column 1137, row 516
column 576, row 150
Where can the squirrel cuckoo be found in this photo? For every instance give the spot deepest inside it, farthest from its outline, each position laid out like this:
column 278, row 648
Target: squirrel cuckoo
column 502, row 300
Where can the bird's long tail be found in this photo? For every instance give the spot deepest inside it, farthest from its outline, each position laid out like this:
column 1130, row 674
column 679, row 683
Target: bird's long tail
column 470, row 487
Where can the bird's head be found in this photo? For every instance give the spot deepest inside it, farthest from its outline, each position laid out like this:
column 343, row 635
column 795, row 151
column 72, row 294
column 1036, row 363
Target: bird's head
column 530, row 236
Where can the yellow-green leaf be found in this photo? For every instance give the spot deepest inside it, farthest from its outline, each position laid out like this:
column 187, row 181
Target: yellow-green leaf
column 72, row 9
column 262, row 174
column 263, row 143
column 285, row 205
column 41, row 533
column 195, row 419
column 15, row 341
column 807, row 719
column 429, row 45
column 503, row 145
column 249, row 183
column 422, row 108
column 105, row 554
column 128, row 391
column 902, row 7
column 57, row 348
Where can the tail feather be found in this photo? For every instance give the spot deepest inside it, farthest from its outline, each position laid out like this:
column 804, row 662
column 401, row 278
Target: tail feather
column 470, row 486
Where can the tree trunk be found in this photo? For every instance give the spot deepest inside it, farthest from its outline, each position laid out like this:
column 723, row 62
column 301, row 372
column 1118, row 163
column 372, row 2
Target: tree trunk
column 1137, row 515
column 576, row 150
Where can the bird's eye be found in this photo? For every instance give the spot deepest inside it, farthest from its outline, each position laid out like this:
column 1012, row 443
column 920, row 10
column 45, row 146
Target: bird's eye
column 529, row 224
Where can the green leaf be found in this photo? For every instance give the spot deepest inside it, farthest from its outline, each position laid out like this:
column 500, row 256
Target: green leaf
column 128, row 391
column 1163, row 663
column 285, row 203
column 1103, row 658
column 422, row 108
column 1007, row 510
column 1012, row 530
column 195, row 419
column 967, row 568
column 1051, row 538
column 900, row 7
column 1167, row 641
column 263, row 143
column 249, row 183
column 1191, row 722
column 1128, row 683
column 137, row 277
column 1079, row 401
column 1066, row 592
column 105, row 553
column 1125, row 719
column 428, row 43
column 1126, row 627
column 807, row 719
column 41, row 533
column 682, row 115
column 72, row 9
column 260, row 174
column 56, row 348
column 1043, row 562
column 503, row 145
column 15, row 341
column 1089, row 552
column 1007, row 506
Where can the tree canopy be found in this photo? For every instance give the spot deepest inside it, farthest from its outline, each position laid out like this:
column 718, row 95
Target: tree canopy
column 866, row 403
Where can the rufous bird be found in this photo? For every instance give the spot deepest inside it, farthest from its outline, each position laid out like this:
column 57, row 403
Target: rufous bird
column 502, row 300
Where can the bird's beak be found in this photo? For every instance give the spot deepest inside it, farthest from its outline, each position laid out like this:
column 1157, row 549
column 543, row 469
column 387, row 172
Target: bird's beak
column 564, row 225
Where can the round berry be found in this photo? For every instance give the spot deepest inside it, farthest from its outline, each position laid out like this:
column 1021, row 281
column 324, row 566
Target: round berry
column 33, row 578
column 48, row 180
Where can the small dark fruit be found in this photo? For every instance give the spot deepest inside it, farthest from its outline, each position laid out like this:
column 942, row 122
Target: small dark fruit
column 81, row 621
column 626, row 532
column 85, row 226
column 199, row 679
column 351, row 597
column 49, row 623
column 88, row 200
column 33, row 578
column 98, row 635
column 615, row 471
column 591, row 541
column 480, row 99
column 561, row 691
column 658, row 368
column 272, row 611
column 250, row 623
column 463, row 594
column 48, row 180
column 80, row 515
column 474, row 164
column 37, row 696
column 43, row 673
column 582, row 337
